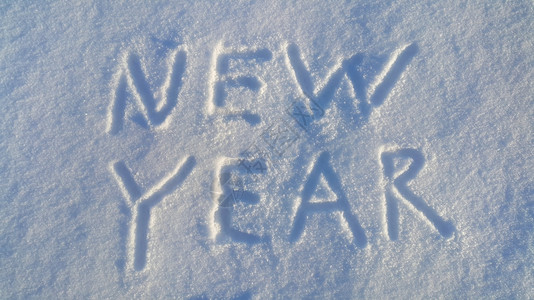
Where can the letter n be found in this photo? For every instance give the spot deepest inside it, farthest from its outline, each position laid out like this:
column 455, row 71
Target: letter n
column 132, row 77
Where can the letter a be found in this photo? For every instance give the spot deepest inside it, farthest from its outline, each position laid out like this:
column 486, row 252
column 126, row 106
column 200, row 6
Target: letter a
column 322, row 166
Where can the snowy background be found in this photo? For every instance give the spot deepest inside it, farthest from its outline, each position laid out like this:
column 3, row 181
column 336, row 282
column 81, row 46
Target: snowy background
column 250, row 149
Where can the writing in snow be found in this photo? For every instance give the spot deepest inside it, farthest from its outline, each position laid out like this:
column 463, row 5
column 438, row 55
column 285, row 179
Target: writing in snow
column 276, row 139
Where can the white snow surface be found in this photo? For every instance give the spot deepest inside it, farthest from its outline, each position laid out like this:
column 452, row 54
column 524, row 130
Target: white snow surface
column 267, row 149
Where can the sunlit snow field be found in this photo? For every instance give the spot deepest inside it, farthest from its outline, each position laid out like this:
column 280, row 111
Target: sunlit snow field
column 267, row 149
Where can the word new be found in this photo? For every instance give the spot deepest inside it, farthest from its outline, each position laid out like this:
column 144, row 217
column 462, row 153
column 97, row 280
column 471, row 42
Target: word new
column 228, row 72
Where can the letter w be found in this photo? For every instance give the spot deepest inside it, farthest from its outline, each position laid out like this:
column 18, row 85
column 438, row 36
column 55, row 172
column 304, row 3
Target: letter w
column 132, row 76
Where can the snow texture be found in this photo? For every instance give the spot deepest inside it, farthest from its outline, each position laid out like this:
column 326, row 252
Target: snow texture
column 267, row 149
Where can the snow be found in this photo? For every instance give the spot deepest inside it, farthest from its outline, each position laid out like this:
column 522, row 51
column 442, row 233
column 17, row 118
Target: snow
column 267, row 149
